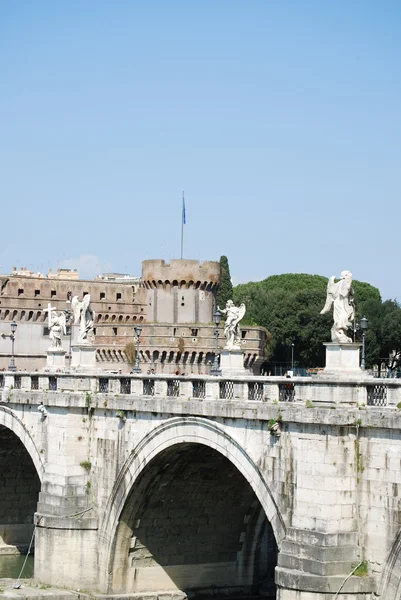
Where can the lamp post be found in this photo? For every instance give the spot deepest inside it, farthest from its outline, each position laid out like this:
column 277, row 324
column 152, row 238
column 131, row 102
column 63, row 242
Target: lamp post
column 215, row 369
column 11, row 335
column 292, row 357
column 138, row 331
column 364, row 324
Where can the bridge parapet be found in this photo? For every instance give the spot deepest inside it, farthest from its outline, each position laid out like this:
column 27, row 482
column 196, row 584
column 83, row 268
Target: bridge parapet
column 306, row 391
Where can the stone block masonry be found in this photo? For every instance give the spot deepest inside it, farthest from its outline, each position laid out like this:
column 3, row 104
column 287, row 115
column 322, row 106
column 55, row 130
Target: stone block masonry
column 178, row 488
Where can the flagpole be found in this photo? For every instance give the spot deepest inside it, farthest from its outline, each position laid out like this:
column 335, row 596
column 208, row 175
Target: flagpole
column 182, row 224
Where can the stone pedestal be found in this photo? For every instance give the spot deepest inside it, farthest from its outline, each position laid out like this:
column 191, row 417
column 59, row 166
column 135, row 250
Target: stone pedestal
column 83, row 357
column 55, row 358
column 232, row 363
column 343, row 360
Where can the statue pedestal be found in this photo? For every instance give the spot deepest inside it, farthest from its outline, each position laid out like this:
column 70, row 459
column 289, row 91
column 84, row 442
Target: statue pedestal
column 343, row 360
column 232, row 363
column 83, row 357
column 55, row 358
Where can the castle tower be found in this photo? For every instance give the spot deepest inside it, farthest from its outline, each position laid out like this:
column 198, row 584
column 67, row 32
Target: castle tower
column 182, row 291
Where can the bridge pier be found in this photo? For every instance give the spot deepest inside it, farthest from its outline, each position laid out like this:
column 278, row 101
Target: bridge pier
column 314, row 566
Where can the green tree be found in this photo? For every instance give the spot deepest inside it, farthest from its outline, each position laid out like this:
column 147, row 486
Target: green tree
column 225, row 291
column 130, row 353
column 383, row 334
column 289, row 306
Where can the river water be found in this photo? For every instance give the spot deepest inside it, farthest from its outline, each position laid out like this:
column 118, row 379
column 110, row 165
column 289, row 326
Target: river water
column 11, row 565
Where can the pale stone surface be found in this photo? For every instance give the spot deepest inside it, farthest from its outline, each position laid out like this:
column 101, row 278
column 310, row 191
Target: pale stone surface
column 340, row 297
column 55, row 358
column 57, row 327
column 234, row 314
column 83, row 314
column 232, row 362
column 83, row 357
column 343, row 359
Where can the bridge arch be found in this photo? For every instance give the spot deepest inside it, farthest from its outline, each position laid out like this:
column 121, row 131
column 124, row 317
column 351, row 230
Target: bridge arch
column 11, row 421
column 180, row 434
column 390, row 584
column 21, row 475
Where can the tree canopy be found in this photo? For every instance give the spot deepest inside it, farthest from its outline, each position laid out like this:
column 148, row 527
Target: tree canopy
column 289, row 307
column 225, row 291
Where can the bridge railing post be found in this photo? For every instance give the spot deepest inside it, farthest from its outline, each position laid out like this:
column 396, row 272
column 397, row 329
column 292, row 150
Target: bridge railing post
column 271, row 392
column 185, row 389
column 160, row 387
column 393, row 395
column 8, row 381
column 212, row 390
column 240, row 390
column 93, row 385
column 136, row 387
column 25, row 382
column 43, row 382
column 114, row 385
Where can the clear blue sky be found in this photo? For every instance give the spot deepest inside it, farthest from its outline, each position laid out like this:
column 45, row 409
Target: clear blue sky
column 280, row 120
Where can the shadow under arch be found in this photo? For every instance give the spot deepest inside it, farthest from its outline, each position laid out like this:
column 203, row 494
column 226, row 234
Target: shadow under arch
column 390, row 583
column 21, row 476
column 173, row 433
column 12, row 421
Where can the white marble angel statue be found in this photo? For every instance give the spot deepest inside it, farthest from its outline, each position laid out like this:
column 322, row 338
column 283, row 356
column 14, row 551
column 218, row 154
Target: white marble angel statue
column 231, row 327
column 340, row 295
column 57, row 328
column 83, row 314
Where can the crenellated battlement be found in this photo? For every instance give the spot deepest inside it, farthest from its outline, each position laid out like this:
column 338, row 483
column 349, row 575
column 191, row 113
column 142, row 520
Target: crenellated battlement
column 181, row 273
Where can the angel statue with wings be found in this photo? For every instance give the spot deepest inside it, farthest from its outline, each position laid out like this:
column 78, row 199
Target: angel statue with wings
column 83, row 314
column 231, row 327
column 57, row 328
column 340, row 295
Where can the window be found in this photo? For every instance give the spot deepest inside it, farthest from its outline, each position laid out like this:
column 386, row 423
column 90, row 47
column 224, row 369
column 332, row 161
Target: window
column 118, row 296
column 194, row 332
column 103, row 385
column 20, row 291
column 46, row 331
column 37, row 293
column 102, row 295
column 94, row 331
column 85, row 294
column 114, row 330
column 53, row 294
column 243, row 334
column 125, row 385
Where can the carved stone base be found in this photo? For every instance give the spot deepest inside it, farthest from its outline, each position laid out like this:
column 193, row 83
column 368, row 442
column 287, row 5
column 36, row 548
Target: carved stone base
column 83, row 357
column 343, row 360
column 55, row 358
column 232, row 363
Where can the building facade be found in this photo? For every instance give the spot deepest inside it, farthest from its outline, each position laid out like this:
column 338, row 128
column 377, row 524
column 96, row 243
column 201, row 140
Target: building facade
column 172, row 302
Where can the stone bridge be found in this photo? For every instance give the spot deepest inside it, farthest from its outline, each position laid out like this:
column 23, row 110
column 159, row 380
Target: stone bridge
column 286, row 488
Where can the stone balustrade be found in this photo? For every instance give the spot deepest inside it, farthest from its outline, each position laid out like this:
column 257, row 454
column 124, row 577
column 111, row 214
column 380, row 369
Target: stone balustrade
column 310, row 392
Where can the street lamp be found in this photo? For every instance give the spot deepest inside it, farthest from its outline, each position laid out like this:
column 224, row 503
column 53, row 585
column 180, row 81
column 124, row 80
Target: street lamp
column 292, row 357
column 364, row 325
column 138, row 331
column 215, row 369
column 11, row 335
